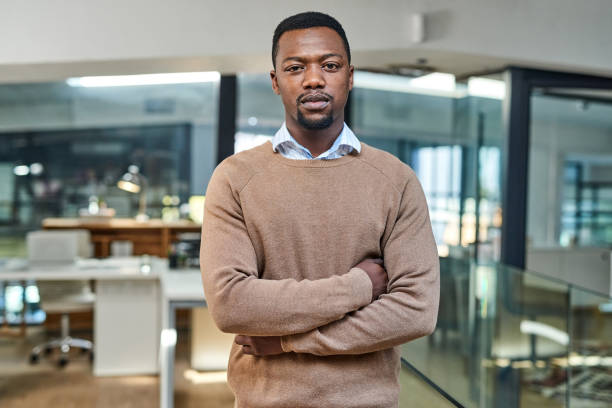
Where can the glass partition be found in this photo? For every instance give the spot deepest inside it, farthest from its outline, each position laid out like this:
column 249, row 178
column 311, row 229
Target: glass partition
column 449, row 133
column 590, row 354
column 569, row 200
column 570, row 169
column 260, row 111
column 512, row 338
column 417, row 392
column 65, row 145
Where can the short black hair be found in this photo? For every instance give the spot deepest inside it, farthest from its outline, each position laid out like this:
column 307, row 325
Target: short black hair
column 308, row 19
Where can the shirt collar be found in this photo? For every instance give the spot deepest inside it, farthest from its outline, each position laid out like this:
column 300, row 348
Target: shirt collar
column 345, row 138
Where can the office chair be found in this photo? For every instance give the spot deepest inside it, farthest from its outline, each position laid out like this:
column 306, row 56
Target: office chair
column 57, row 249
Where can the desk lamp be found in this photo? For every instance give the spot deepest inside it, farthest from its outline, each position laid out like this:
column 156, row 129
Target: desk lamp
column 134, row 182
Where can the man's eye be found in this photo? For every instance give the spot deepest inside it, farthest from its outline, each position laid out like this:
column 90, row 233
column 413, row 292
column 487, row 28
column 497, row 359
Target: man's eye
column 330, row 66
column 293, row 68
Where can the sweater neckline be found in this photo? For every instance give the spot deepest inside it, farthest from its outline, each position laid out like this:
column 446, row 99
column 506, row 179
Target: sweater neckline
column 312, row 163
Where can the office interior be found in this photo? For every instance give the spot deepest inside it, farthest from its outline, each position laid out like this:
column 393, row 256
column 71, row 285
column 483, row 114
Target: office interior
column 109, row 134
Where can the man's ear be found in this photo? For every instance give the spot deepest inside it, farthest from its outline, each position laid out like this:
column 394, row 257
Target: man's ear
column 274, row 82
column 351, row 72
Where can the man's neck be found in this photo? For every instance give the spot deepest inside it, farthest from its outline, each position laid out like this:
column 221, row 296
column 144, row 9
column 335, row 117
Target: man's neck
column 316, row 141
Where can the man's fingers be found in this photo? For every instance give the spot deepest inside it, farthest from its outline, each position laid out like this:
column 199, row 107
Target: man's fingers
column 243, row 340
column 247, row 344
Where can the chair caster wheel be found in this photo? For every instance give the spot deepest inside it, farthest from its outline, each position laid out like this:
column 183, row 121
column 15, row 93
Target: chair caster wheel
column 62, row 362
column 34, row 358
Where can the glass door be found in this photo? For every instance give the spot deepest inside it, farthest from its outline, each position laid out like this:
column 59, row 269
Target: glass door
column 570, row 177
column 558, row 220
column 569, row 196
column 557, row 157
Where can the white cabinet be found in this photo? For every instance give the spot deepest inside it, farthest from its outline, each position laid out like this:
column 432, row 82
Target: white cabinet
column 126, row 327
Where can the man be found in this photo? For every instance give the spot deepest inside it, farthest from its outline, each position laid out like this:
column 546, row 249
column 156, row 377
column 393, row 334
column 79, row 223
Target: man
column 294, row 238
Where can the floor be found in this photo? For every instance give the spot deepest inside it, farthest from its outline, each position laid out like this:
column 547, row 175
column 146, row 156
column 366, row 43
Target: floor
column 46, row 385
column 12, row 247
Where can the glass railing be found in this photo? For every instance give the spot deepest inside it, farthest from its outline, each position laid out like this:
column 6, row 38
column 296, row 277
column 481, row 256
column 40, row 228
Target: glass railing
column 417, row 391
column 509, row 338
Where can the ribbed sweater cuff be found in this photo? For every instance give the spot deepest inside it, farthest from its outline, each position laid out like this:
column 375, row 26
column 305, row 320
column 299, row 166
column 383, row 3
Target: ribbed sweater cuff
column 362, row 287
column 285, row 344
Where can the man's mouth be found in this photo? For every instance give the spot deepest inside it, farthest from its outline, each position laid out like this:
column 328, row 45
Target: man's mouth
column 314, row 102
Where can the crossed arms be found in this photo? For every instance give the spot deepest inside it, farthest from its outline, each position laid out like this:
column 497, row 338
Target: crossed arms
column 336, row 315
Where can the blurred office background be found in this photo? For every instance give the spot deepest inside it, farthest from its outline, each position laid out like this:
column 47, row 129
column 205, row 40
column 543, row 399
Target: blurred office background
column 502, row 108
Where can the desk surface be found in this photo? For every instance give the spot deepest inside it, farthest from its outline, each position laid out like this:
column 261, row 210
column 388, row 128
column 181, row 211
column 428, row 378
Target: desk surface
column 152, row 237
column 118, row 223
column 106, row 269
column 182, row 285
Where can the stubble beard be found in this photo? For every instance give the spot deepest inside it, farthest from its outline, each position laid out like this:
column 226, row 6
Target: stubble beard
column 316, row 124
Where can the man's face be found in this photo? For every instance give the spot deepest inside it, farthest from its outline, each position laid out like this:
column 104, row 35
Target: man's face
column 312, row 76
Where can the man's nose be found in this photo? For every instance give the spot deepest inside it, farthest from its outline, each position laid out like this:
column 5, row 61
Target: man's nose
column 313, row 78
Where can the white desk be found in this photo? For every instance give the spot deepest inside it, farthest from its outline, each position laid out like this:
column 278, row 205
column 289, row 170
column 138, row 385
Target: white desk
column 180, row 289
column 92, row 269
column 126, row 309
column 127, row 337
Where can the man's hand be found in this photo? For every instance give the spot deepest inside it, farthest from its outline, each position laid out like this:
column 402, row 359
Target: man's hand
column 378, row 275
column 260, row 346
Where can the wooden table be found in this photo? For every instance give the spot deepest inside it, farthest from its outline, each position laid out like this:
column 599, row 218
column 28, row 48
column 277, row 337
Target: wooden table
column 151, row 237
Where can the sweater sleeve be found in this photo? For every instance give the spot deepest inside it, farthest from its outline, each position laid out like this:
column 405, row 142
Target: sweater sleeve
column 242, row 303
column 409, row 310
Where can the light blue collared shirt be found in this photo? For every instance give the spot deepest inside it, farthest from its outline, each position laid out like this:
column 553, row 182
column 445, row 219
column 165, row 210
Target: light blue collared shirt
column 286, row 145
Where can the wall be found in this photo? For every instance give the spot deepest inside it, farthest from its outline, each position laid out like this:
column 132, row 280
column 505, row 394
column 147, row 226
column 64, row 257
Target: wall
column 44, row 39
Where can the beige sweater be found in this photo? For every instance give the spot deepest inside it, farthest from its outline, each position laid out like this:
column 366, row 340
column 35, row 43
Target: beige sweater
column 280, row 239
